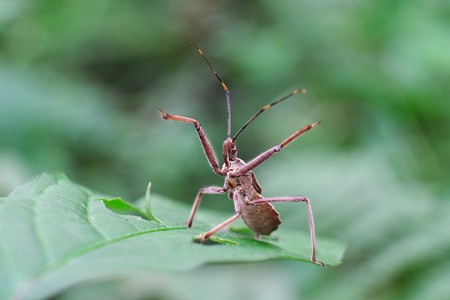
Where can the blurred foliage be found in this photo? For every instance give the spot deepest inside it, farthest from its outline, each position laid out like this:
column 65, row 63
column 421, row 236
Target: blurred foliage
column 81, row 82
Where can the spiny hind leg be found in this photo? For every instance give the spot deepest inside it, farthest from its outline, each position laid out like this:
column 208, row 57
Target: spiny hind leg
column 310, row 216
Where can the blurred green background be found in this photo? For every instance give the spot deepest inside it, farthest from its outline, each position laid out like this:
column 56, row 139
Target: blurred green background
column 81, row 82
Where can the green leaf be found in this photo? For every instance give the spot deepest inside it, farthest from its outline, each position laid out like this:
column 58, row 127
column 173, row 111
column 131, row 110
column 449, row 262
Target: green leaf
column 55, row 233
column 119, row 206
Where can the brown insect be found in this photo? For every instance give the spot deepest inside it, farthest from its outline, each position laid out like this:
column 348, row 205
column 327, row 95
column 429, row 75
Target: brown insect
column 240, row 182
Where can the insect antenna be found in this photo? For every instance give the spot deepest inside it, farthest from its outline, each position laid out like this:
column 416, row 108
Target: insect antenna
column 222, row 83
column 294, row 92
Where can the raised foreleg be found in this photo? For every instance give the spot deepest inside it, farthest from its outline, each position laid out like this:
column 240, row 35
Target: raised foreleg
column 268, row 153
column 207, row 147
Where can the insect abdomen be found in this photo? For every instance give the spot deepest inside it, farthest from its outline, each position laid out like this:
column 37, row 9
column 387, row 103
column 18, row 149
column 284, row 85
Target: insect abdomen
column 262, row 218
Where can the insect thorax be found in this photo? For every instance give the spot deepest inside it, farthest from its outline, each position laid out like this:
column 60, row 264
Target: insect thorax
column 236, row 164
column 245, row 183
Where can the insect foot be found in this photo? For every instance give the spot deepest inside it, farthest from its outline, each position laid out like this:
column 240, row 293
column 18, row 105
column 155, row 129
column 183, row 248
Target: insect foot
column 203, row 238
column 200, row 238
column 319, row 263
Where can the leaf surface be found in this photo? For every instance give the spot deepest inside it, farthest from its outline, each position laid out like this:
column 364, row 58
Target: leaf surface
column 55, row 233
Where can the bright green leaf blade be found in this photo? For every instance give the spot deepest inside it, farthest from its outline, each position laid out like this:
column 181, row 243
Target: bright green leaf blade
column 51, row 221
column 119, row 206
column 148, row 206
column 54, row 233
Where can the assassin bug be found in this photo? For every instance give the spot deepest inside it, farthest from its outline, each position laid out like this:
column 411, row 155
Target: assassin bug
column 240, row 182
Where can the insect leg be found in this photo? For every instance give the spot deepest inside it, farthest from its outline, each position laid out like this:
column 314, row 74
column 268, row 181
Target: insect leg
column 268, row 153
column 205, row 190
column 225, row 223
column 310, row 216
column 222, row 225
column 207, row 147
